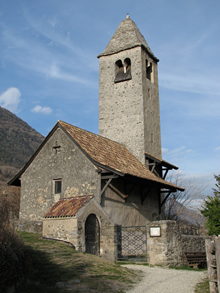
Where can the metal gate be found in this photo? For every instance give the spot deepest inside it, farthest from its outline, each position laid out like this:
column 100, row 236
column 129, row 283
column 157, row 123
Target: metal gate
column 131, row 243
column 92, row 235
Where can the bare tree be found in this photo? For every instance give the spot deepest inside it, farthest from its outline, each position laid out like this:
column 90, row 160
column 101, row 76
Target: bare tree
column 179, row 206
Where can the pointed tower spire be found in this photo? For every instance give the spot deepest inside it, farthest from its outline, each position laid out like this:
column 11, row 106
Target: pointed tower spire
column 127, row 36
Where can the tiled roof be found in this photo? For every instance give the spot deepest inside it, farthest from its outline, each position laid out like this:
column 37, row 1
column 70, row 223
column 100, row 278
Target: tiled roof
column 111, row 154
column 126, row 36
column 67, row 207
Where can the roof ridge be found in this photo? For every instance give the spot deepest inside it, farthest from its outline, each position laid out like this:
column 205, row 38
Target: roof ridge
column 98, row 135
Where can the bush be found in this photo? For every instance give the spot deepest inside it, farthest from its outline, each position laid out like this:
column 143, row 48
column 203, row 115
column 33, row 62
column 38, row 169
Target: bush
column 211, row 210
column 15, row 259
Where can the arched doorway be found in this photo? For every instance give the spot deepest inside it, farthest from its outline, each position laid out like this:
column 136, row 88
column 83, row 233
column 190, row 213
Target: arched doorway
column 92, row 234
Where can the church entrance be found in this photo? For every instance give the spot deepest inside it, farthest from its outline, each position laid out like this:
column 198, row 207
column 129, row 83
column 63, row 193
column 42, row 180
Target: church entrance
column 92, row 235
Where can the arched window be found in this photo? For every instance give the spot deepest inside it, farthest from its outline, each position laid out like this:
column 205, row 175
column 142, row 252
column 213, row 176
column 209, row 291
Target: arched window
column 122, row 71
column 127, row 67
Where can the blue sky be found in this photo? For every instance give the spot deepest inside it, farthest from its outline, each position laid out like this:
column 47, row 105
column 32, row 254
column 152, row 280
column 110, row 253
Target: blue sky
column 49, row 68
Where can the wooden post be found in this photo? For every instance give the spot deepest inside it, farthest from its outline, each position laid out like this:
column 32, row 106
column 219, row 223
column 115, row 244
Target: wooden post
column 217, row 254
column 211, row 265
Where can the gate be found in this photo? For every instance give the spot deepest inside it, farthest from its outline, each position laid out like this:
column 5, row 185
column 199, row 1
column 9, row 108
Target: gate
column 92, row 235
column 131, row 243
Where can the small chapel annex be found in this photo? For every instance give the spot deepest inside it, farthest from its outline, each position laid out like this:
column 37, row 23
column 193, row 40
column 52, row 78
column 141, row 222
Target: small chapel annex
column 78, row 185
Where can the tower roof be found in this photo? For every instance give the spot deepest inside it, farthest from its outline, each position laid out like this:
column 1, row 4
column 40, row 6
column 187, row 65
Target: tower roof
column 127, row 36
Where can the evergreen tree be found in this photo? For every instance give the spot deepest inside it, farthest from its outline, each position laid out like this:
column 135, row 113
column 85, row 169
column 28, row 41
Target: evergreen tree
column 211, row 210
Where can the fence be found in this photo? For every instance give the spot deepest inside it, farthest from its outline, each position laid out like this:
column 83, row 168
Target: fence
column 131, row 243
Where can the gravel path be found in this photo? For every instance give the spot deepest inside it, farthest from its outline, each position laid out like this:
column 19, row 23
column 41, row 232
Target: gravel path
column 163, row 280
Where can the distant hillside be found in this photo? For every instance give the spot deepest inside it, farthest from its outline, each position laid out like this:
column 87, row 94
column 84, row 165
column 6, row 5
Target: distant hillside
column 187, row 214
column 18, row 141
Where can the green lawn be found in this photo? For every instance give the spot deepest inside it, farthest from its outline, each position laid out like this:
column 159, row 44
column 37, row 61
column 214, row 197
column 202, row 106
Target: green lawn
column 55, row 261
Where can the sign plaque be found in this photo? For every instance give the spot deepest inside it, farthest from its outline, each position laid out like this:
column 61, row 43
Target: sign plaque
column 155, row 232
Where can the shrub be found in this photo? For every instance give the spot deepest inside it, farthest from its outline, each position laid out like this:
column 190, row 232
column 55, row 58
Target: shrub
column 15, row 259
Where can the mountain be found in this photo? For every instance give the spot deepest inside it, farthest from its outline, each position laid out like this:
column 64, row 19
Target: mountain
column 18, row 141
column 178, row 211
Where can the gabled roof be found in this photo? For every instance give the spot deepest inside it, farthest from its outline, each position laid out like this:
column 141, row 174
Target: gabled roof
column 67, row 207
column 127, row 36
column 110, row 154
column 104, row 153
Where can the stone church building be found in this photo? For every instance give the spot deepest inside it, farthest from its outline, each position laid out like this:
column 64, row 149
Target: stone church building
column 78, row 186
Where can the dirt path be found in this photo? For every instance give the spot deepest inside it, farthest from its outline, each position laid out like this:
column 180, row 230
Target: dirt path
column 163, row 280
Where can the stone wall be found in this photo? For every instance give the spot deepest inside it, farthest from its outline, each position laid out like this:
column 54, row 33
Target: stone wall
column 30, row 226
column 108, row 242
column 61, row 229
column 169, row 247
column 66, row 163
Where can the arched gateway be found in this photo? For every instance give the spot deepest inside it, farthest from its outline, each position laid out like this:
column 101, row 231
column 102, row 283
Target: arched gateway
column 92, row 234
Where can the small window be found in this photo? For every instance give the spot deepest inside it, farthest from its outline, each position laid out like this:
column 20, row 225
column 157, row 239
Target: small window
column 152, row 138
column 149, row 70
column 57, row 186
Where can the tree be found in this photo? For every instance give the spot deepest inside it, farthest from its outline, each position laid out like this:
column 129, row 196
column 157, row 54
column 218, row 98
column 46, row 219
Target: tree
column 211, row 210
column 179, row 205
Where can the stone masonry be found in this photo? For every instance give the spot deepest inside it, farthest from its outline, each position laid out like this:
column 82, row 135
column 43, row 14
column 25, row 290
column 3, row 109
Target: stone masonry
column 129, row 109
column 169, row 248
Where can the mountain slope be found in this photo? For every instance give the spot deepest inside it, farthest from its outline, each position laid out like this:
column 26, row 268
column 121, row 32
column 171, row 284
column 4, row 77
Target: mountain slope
column 18, row 141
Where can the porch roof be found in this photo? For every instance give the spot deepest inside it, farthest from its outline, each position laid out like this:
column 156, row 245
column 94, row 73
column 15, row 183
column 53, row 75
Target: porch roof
column 160, row 161
column 67, row 207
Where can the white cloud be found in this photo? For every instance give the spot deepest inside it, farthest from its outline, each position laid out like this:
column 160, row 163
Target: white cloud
column 40, row 109
column 10, row 99
column 217, row 149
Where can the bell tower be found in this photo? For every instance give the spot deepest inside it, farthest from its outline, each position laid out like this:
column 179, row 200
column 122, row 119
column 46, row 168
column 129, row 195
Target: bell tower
column 128, row 92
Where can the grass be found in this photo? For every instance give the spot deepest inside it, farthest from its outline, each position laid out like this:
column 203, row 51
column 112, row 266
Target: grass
column 187, row 268
column 55, row 261
column 202, row 287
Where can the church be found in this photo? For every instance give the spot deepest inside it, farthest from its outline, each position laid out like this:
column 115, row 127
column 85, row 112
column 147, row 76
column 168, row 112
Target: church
column 78, row 186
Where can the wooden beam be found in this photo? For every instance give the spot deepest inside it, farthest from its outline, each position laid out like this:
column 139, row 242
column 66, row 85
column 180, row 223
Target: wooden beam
column 165, row 174
column 106, row 185
column 154, row 166
column 168, row 190
column 118, row 192
column 109, row 176
column 165, row 198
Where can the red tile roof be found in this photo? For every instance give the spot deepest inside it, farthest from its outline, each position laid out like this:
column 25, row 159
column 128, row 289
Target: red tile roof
column 67, row 207
column 111, row 154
